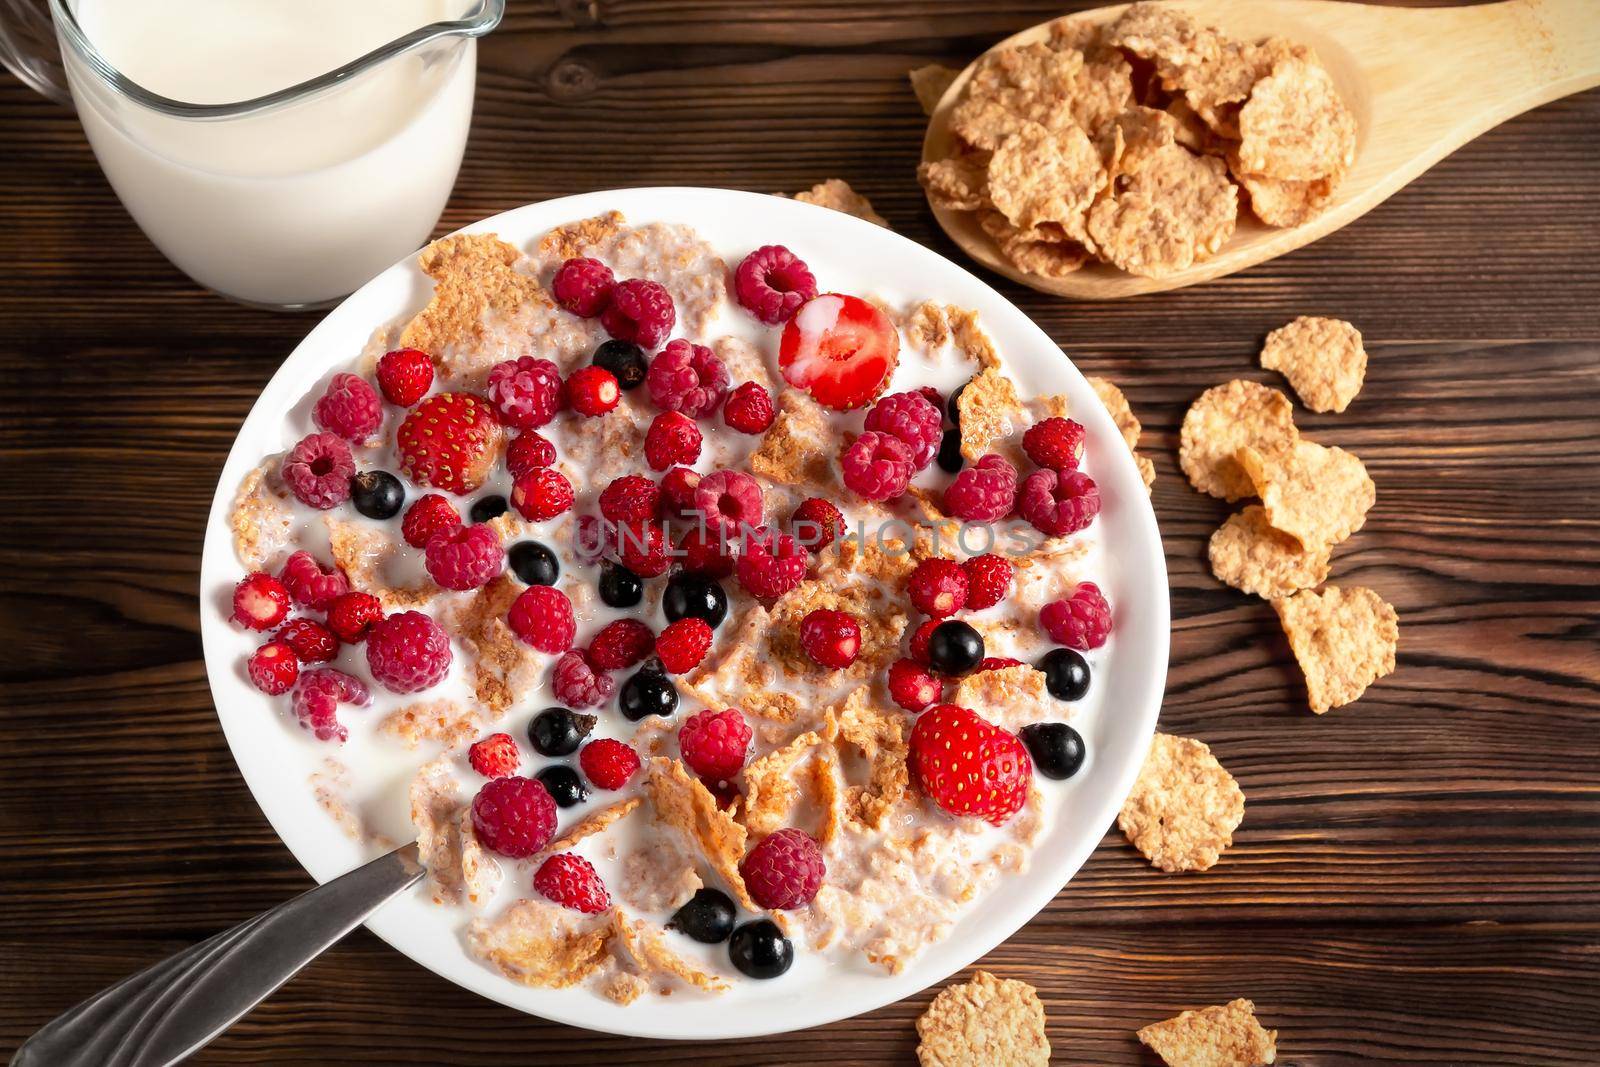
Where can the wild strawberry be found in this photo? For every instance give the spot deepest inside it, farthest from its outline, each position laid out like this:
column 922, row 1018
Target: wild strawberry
column 593, row 391
column 571, row 881
column 608, row 763
column 449, row 442
column 912, row 685
column 495, row 756
column 831, row 639
column 969, row 766
column 541, row 494
column 260, row 601
column 938, row 587
column 816, row 523
column 404, row 376
column 273, row 668
column 988, row 580
column 429, row 515
column 683, row 644
column 352, row 615
column 748, row 409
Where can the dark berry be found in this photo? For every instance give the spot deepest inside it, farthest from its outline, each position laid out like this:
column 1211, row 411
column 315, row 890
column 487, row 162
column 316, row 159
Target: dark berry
column 533, row 563
column 688, row 597
column 558, row 731
column 952, row 409
column 954, row 647
column 1056, row 748
column 950, row 459
column 1066, row 674
column 625, row 360
column 649, row 692
column 377, row 494
column 760, row 950
column 489, row 508
column 708, row 917
column 620, row 587
column 565, row 787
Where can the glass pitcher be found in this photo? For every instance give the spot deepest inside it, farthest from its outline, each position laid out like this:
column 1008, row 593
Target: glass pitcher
column 286, row 200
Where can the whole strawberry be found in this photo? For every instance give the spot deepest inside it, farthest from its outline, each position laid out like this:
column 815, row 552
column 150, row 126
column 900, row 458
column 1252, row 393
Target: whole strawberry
column 449, row 442
column 969, row 766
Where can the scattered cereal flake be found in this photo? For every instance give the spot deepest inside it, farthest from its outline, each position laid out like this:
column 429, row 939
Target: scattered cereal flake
column 1165, row 36
column 331, row 786
column 681, row 801
column 1033, row 68
column 1184, row 806
column 677, row 257
column 1225, row 418
column 578, row 238
column 745, row 362
column 1177, row 210
column 797, row 448
column 639, row 946
column 502, row 667
column 480, row 871
column 435, row 812
column 930, row 82
column 1323, row 359
column 539, row 943
column 1215, row 88
column 826, row 796
column 474, row 277
column 1010, row 698
column 1102, row 90
column 1117, row 406
column 984, row 122
column 596, row 822
column 446, row 721
column 990, row 412
column 364, row 552
column 985, row 1022
column 775, row 706
column 1045, row 250
column 880, row 736
column 960, row 183
column 658, row 877
column 970, row 337
column 1057, row 405
column 1317, row 495
column 770, row 790
column 1222, row 1036
column 1040, row 175
column 836, row 193
column 1344, row 638
column 927, row 326
column 1248, row 554
column 261, row 521
column 1283, row 203
column 1295, row 126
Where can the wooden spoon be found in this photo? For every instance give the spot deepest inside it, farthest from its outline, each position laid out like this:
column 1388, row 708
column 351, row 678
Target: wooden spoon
column 1421, row 84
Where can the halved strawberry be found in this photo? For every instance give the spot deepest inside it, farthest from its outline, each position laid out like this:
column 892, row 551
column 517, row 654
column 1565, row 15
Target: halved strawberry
column 969, row 766
column 449, row 442
column 840, row 349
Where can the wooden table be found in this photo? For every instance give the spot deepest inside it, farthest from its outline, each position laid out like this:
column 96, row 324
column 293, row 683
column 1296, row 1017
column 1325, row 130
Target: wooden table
column 1416, row 879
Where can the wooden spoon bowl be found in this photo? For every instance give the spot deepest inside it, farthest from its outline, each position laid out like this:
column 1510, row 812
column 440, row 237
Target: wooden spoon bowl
column 1421, row 83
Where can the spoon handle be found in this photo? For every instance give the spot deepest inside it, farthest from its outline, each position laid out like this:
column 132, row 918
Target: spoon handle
column 168, row 1010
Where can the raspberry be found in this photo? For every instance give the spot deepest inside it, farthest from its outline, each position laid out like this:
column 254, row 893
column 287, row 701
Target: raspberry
column 526, row 392
column 932, row 396
column 672, row 439
column 351, row 615
column 542, row 616
column 969, row 766
column 583, row 286
column 577, row 684
column 465, row 557
column 677, row 490
column 405, row 376
column 920, row 639
column 316, row 700
column 877, row 466
column 1081, row 621
column 449, row 442
column 310, row 584
column 571, row 881
column 909, row 417
column 728, row 502
column 514, row 816
column 273, row 668
column 593, row 540
column 642, row 548
column 349, row 407
column 640, row 311
column 703, row 553
column 495, row 756
column 772, row 282
column 816, row 523
column 984, row 492
column 542, row 493
column 408, row 652
column 713, row 743
column 785, row 870
column 1059, row 504
column 771, row 564
column 260, row 601
column 318, row 470
column 1055, row 443
column 988, row 581
column 621, row 644
column 831, row 638
column 608, row 763
column 530, row 450
column 688, row 378
column 938, row 587
column 995, row 663
column 912, row 685
column 593, row 391
column 683, row 644
column 749, row 409
column 311, row 641
column 428, row 516
column 631, row 498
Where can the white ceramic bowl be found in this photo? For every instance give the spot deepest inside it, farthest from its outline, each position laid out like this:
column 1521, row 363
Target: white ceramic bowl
column 849, row 255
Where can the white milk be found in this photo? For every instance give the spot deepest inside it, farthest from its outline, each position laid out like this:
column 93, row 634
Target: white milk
column 297, row 205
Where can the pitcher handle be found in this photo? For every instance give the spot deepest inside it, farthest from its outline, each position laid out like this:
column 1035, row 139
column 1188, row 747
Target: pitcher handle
column 28, row 48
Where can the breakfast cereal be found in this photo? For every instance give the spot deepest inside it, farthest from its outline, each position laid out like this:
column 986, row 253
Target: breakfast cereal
column 1225, row 419
column 984, row 1022
column 1226, row 1035
column 1344, row 638
column 1323, row 359
column 1249, row 554
column 1184, row 806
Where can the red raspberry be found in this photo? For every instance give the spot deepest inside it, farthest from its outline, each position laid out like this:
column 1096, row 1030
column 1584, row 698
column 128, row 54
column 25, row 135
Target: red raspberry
column 311, row 641
column 912, row 685
column 571, row 881
column 705, row 554
column 273, row 668
column 1059, row 504
column 772, row 282
column 1055, row 443
column 495, row 756
column 526, row 392
column 640, row 311
column 749, row 409
column 714, row 743
column 683, row 644
column 316, row 700
column 785, row 870
column 673, row 438
column 593, row 391
column 542, row 493
column 465, row 557
column 349, row 407
column 687, row 377
column 577, row 684
column 816, row 523
column 310, row 584
column 831, row 638
column 583, row 286
column 529, row 451
column 514, row 816
column 608, row 763
column 916, row 423
column 318, row 470
column 1081, row 621
column 405, row 376
column 969, row 766
column 260, row 601
column 677, row 490
column 351, row 615
column 984, row 492
column 932, row 396
column 988, row 581
column 630, row 498
column 771, row 563
column 449, row 442
column 620, row 644
column 995, row 663
column 542, row 616
column 642, row 548
column 920, row 639
column 938, row 587
column 877, row 466
column 408, row 652
column 728, row 502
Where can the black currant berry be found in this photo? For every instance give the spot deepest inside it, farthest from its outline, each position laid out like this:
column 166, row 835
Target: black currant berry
column 688, row 597
column 649, row 692
column 954, row 647
column 533, row 563
column 625, row 360
column 487, row 508
column 559, row 731
column 377, row 494
column 620, row 587
column 708, row 917
column 565, row 787
column 1066, row 674
column 1056, row 748
column 760, row 950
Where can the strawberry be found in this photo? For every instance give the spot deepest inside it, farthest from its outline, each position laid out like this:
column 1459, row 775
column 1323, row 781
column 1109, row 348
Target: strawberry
column 449, row 442
column 969, row 766
column 840, row 349
column 571, row 881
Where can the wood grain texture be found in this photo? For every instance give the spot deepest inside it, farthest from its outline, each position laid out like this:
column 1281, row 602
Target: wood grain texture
column 1416, row 879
